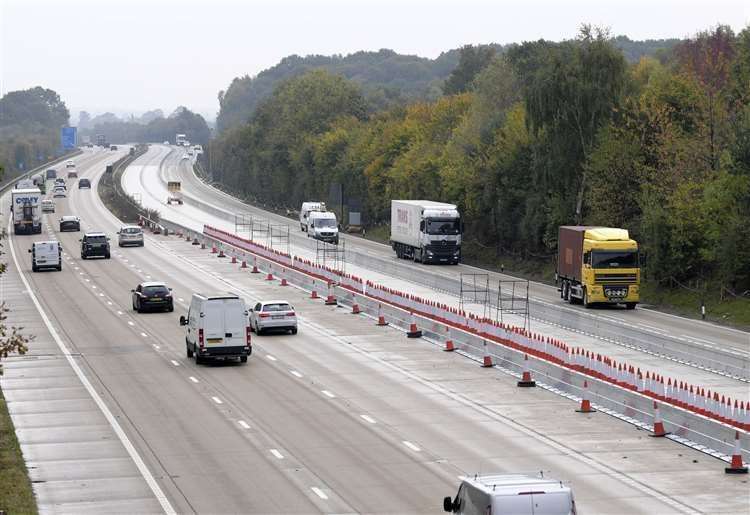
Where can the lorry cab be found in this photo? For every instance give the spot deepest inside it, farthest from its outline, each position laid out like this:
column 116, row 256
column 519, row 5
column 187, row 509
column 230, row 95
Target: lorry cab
column 217, row 327
column 305, row 210
column 323, row 225
column 46, row 255
column 517, row 494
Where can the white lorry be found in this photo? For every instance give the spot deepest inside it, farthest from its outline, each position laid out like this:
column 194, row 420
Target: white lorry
column 26, row 204
column 323, row 225
column 426, row 231
column 174, row 189
column 517, row 494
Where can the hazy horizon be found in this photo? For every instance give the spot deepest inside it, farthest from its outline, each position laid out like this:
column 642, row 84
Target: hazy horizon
column 138, row 56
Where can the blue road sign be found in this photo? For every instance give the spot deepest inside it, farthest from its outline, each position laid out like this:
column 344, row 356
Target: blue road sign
column 68, row 136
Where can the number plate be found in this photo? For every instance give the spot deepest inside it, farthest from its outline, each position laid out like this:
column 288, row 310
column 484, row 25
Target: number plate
column 215, row 340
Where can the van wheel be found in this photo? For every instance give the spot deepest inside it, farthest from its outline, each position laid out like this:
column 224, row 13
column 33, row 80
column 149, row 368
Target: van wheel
column 59, row 269
column 243, row 359
column 198, row 359
column 106, row 256
column 34, row 268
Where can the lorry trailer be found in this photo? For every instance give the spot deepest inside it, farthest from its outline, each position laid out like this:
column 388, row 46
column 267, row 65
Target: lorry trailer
column 26, row 204
column 426, row 231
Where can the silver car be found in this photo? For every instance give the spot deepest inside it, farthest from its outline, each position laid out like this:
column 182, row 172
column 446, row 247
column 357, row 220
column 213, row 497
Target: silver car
column 130, row 235
column 273, row 314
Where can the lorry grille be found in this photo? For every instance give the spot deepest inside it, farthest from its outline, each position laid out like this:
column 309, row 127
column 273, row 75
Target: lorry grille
column 615, row 278
column 442, row 243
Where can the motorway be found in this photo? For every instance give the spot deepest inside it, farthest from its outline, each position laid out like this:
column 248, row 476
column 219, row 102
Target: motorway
column 343, row 417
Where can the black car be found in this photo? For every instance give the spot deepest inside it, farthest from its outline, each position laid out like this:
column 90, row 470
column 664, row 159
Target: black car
column 84, row 184
column 70, row 223
column 94, row 244
column 152, row 295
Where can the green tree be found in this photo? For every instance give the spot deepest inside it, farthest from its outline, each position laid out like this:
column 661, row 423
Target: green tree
column 472, row 60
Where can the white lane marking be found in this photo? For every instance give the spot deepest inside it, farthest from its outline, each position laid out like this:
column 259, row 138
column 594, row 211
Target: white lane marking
column 295, row 373
column 132, row 452
column 368, row 418
column 155, row 346
column 243, row 424
column 277, row 454
column 320, row 493
column 109, row 303
column 130, row 322
column 80, row 273
column 180, row 299
column 328, row 394
column 175, row 363
column 76, row 268
column 411, row 446
column 144, row 335
column 270, row 357
column 88, row 280
column 119, row 312
column 101, row 294
column 148, row 277
column 193, row 379
column 93, row 285
column 217, row 400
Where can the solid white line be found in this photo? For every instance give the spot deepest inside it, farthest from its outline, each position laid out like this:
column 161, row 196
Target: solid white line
column 368, row 418
column 295, row 373
column 175, row 363
column 132, row 452
column 411, row 446
column 243, row 424
column 277, row 454
column 217, row 400
column 320, row 493
column 328, row 394
column 193, row 379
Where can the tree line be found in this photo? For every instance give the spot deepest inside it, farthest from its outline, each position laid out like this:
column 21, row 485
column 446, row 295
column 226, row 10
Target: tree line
column 540, row 135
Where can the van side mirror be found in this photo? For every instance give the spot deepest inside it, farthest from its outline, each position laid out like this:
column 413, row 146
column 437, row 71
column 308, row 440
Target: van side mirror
column 448, row 504
column 29, row 251
column 183, row 320
column 421, row 226
column 132, row 291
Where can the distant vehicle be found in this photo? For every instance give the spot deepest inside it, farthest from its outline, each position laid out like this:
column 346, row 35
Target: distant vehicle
column 152, row 295
column 185, row 156
column 59, row 192
column 72, row 174
column 598, row 265
column 305, row 210
column 84, row 184
column 113, row 147
column 130, row 235
column 323, row 226
column 190, row 152
column 48, row 206
column 25, row 184
column 90, row 145
column 60, row 182
column 198, row 149
column 51, row 173
column 94, row 244
column 101, row 140
column 217, row 327
column 175, row 192
column 38, row 179
column 69, row 164
column 110, row 168
column 273, row 314
column 516, row 494
column 70, row 223
column 426, row 231
column 180, row 140
column 26, row 204
column 166, row 142
column 46, row 255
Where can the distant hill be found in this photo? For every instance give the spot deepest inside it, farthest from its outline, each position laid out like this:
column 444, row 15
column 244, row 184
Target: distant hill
column 387, row 78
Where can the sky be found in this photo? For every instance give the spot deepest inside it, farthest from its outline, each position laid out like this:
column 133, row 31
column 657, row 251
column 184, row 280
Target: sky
column 136, row 55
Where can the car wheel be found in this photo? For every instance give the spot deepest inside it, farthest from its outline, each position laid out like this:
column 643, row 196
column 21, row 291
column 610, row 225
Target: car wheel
column 134, row 308
column 83, row 256
column 198, row 359
column 34, row 268
column 170, row 309
column 188, row 349
column 119, row 244
column 294, row 330
column 106, row 256
column 258, row 330
column 243, row 359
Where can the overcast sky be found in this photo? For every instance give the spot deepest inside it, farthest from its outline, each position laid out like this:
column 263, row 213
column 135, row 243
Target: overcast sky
column 136, row 55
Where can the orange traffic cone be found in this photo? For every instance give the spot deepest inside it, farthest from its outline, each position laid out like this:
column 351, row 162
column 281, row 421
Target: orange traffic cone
column 526, row 380
column 413, row 332
column 255, row 266
column 314, row 293
column 585, row 402
column 381, row 317
column 658, row 424
column 355, row 309
column 331, row 298
column 736, row 467
column 486, row 359
column 449, row 347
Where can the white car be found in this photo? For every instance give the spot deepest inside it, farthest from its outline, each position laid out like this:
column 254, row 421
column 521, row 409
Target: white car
column 70, row 164
column 166, row 142
column 59, row 192
column 185, row 156
column 48, row 206
column 130, row 235
column 273, row 314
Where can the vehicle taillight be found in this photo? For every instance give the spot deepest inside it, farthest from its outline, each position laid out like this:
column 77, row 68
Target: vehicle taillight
column 247, row 335
column 264, row 315
column 290, row 314
column 200, row 338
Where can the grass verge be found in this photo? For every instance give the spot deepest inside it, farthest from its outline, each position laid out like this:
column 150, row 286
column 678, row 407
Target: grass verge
column 16, row 495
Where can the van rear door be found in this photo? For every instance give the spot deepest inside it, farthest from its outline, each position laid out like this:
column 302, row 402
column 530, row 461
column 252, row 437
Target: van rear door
column 552, row 503
column 235, row 323
column 213, row 323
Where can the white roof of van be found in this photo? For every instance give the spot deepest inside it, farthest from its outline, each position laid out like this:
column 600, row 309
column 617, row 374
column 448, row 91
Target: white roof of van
column 428, row 204
column 322, row 214
column 511, row 484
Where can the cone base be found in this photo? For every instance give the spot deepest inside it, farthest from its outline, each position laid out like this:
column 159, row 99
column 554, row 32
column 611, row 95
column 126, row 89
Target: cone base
column 414, row 334
column 255, row 271
column 331, row 302
column 590, row 410
column 381, row 323
column 526, row 384
column 659, row 435
column 195, row 242
column 735, row 470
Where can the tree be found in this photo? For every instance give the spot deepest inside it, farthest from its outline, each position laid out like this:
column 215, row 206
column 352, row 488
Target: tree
column 472, row 60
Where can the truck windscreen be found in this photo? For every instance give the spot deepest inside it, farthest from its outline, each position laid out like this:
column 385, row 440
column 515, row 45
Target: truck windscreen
column 614, row 259
column 436, row 226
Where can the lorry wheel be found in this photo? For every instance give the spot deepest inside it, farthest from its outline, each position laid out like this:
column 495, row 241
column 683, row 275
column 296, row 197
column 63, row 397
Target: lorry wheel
column 630, row 305
column 586, row 303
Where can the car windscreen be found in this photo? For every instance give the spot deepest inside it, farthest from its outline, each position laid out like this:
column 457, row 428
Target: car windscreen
column 84, row 181
column 96, row 239
column 131, row 230
column 281, row 306
column 69, row 219
column 155, row 290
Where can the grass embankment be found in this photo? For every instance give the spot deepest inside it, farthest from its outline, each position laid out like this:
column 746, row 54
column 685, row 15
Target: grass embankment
column 678, row 301
column 16, row 495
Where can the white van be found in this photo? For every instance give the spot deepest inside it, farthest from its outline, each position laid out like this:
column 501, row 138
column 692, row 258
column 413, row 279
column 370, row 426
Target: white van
column 46, row 255
column 323, row 226
column 517, row 494
column 304, row 213
column 217, row 327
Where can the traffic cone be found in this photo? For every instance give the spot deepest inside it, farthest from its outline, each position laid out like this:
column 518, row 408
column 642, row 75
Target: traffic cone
column 355, row 309
column 314, row 293
column 448, row 342
column 244, row 263
column 526, row 380
column 283, row 278
column 381, row 318
column 658, row 424
column 736, row 467
column 203, row 245
column 486, row 359
column 214, row 250
column 585, row 402
column 330, row 299
column 413, row 332
column 269, row 276
column 234, row 259
column 221, row 252
column 196, row 242
column 255, row 266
